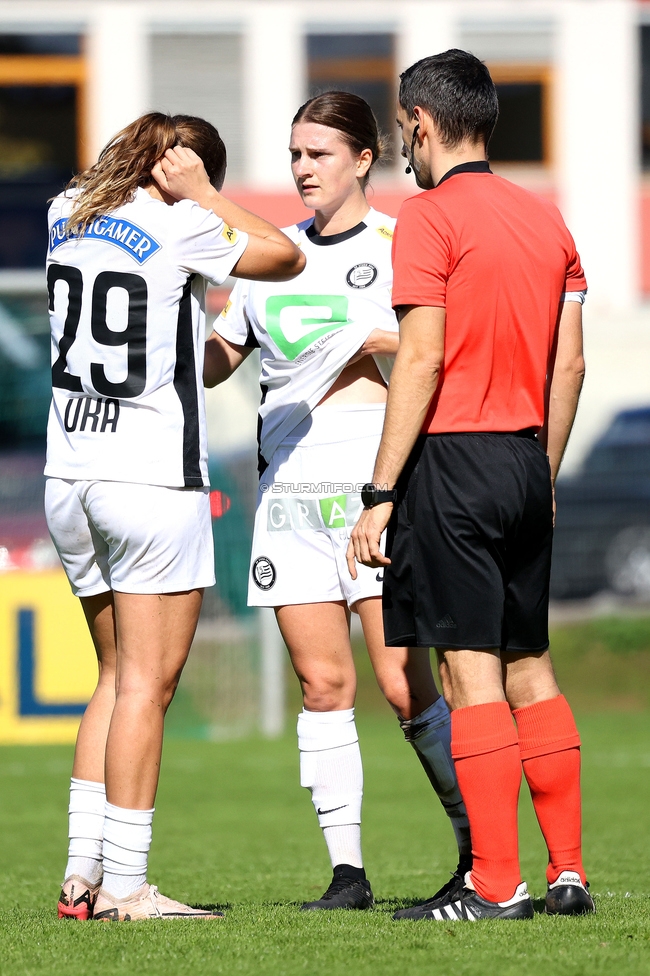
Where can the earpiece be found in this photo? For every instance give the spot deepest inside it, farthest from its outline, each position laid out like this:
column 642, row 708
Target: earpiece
column 409, row 168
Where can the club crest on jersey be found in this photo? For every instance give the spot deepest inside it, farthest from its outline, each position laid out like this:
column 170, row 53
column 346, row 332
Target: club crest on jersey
column 263, row 573
column 123, row 233
column 361, row 275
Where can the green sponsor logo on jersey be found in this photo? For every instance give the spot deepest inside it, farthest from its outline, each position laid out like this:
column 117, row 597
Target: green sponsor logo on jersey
column 301, row 513
column 288, row 330
column 333, row 511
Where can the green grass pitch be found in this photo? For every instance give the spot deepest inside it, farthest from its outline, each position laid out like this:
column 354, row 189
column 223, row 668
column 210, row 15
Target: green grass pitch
column 233, row 828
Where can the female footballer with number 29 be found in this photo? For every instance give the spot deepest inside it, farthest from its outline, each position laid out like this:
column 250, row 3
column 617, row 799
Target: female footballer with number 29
column 326, row 342
column 127, row 487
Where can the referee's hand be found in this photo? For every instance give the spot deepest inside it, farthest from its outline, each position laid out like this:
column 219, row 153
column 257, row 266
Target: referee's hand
column 365, row 538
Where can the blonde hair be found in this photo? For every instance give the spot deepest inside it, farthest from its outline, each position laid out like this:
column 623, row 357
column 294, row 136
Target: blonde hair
column 126, row 163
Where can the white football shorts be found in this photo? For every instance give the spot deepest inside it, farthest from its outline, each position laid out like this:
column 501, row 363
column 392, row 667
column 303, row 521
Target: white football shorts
column 308, row 503
column 133, row 538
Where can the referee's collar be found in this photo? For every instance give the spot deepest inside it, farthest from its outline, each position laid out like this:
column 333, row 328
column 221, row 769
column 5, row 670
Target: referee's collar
column 475, row 166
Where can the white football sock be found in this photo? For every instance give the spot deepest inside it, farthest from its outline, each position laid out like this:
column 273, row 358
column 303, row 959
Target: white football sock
column 127, row 839
column 344, row 844
column 430, row 735
column 85, row 829
column 330, row 767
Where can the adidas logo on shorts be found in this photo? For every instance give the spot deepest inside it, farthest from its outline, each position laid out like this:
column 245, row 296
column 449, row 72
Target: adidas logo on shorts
column 447, row 622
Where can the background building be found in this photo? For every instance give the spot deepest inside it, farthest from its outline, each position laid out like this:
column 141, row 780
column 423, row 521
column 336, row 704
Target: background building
column 574, row 85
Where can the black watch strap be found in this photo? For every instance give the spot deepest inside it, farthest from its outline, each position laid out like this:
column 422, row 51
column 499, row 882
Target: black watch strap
column 371, row 495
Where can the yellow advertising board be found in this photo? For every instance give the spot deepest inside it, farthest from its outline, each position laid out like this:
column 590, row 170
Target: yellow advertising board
column 48, row 669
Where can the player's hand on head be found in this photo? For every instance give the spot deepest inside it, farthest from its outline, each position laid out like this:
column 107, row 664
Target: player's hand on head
column 181, row 173
column 364, row 545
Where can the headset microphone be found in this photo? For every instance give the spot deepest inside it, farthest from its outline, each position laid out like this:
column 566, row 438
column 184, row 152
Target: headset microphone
column 409, row 168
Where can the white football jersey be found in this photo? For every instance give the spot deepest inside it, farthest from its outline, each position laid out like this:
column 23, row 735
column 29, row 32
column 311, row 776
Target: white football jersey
column 309, row 328
column 127, row 312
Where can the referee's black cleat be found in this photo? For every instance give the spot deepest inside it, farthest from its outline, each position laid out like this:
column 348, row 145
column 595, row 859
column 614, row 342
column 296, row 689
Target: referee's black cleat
column 465, row 905
column 349, row 889
column 452, row 887
column 569, row 896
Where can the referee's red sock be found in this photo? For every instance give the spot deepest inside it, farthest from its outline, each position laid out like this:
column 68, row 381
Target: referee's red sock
column 550, row 752
column 485, row 748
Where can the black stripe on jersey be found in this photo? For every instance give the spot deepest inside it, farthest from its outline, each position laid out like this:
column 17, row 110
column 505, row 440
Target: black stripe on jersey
column 251, row 338
column 262, row 463
column 185, row 386
column 329, row 239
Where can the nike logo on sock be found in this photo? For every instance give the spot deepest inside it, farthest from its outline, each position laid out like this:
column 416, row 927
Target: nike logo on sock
column 321, row 813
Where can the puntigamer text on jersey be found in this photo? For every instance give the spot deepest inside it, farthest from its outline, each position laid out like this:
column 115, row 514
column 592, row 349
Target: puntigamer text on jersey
column 123, row 233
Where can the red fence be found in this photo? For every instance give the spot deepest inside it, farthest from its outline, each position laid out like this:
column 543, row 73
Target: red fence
column 285, row 208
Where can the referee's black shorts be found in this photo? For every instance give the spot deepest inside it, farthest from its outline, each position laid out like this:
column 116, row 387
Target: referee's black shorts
column 470, row 544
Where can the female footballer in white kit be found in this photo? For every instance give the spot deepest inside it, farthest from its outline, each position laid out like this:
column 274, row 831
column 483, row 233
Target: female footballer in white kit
column 326, row 344
column 126, row 495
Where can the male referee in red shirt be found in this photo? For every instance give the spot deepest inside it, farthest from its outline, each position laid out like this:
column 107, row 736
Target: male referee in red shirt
column 489, row 290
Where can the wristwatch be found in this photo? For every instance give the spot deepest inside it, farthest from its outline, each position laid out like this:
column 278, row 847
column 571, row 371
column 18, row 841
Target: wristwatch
column 371, row 496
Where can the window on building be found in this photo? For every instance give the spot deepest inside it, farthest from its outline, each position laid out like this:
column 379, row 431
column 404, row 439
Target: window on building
column 40, row 44
column 201, row 74
column 41, row 147
column 25, row 373
column 41, row 137
column 645, row 96
column 363, row 64
column 38, row 155
column 522, row 134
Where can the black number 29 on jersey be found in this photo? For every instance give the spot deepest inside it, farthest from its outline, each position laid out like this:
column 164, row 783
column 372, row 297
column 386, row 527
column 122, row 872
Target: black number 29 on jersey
column 134, row 336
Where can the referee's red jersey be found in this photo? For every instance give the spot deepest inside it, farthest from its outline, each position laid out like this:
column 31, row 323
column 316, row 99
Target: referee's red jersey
column 498, row 258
